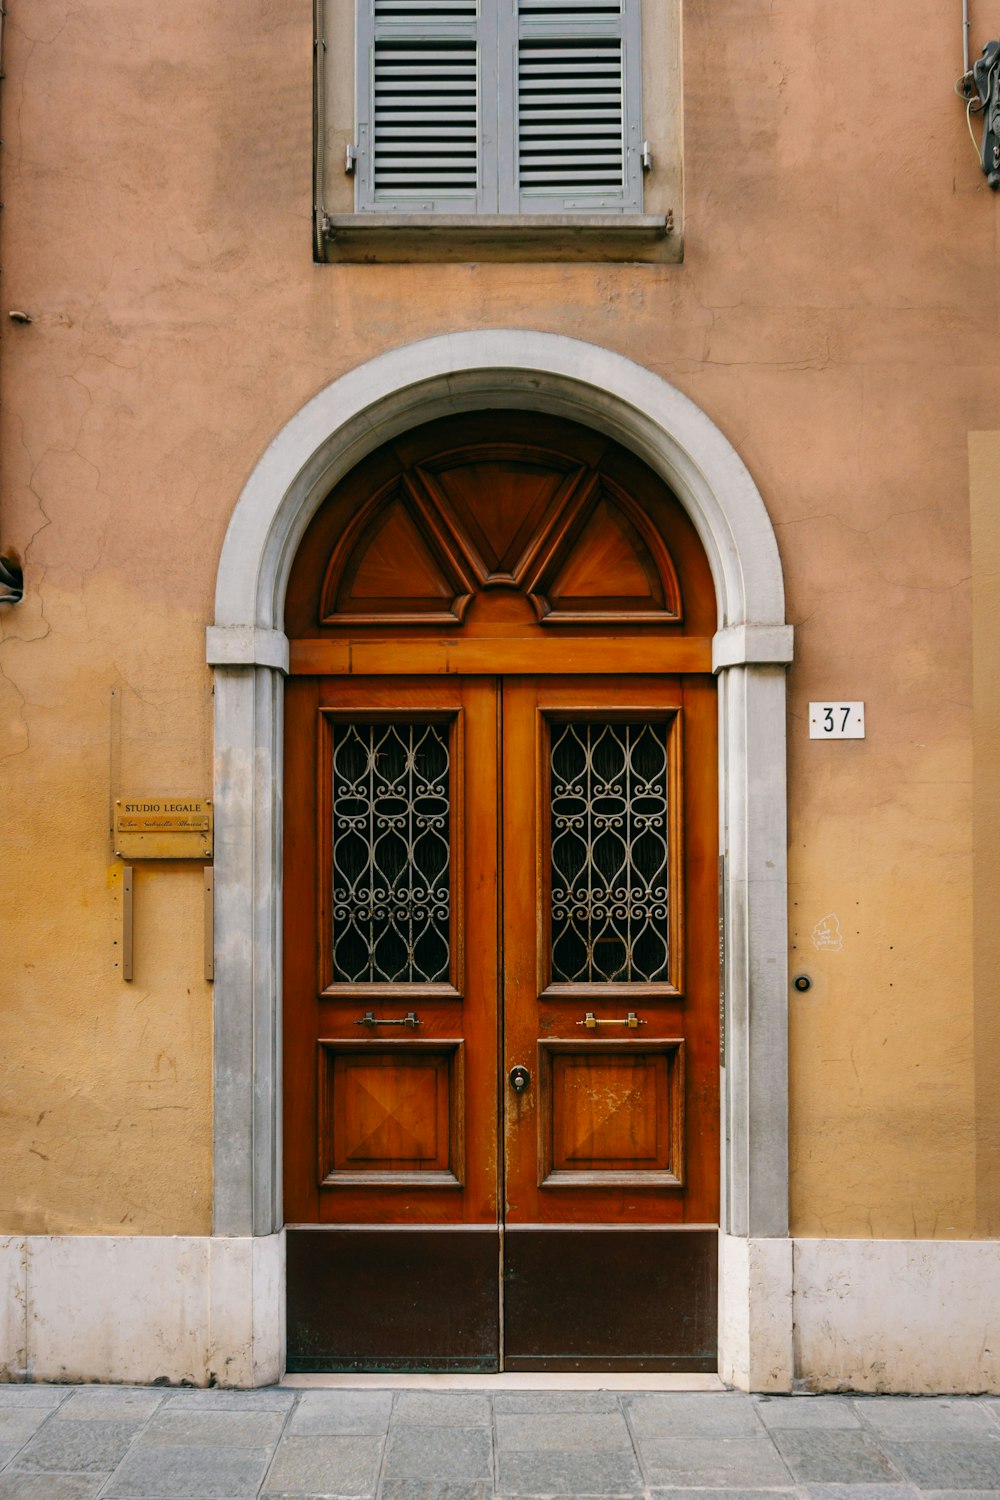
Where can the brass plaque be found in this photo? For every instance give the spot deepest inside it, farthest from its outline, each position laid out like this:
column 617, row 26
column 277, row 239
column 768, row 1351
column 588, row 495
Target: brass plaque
column 163, row 828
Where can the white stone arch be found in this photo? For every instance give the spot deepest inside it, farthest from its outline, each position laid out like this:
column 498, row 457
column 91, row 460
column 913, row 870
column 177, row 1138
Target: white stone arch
column 246, row 645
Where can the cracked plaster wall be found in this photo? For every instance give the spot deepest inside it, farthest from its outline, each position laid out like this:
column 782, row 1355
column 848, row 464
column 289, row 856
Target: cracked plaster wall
column 836, row 315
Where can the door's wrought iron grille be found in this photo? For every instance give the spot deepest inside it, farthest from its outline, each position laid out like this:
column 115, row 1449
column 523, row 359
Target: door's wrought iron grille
column 391, row 853
column 610, row 853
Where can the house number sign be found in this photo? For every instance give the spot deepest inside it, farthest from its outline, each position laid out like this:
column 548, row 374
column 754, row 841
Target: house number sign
column 163, row 828
column 836, row 721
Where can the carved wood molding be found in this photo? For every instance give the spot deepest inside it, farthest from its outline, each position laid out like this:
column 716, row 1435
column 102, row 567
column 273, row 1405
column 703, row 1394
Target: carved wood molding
column 495, row 516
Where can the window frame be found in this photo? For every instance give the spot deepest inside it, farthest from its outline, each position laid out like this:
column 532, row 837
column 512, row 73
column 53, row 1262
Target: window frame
column 344, row 234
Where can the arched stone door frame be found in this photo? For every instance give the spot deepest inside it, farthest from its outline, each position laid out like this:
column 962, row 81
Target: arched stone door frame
column 249, row 651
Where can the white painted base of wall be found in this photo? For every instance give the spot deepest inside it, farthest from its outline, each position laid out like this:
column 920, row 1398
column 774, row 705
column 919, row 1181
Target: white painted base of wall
column 755, row 1313
column 920, row 1316
column 915, row 1316
column 140, row 1309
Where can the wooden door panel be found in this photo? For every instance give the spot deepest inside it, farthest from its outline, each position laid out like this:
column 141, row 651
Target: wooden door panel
column 301, row 952
column 598, row 1298
column 610, row 1114
column 620, row 1123
column 399, row 1298
column 391, row 1114
column 391, row 1037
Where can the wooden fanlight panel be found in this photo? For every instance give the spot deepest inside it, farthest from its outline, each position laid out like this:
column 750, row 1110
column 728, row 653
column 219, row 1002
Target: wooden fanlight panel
column 571, row 540
column 398, row 563
column 498, row 524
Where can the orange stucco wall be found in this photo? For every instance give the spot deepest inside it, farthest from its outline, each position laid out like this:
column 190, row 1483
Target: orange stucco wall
column 835, row 315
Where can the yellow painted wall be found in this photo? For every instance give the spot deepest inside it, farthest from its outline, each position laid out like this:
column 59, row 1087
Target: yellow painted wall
column 984, row 494
column 835, row 314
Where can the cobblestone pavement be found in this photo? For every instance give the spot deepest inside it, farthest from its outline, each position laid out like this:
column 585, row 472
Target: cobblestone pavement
column 131, row 1443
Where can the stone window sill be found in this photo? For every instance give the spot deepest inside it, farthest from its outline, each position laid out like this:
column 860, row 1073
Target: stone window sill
column 376, row 238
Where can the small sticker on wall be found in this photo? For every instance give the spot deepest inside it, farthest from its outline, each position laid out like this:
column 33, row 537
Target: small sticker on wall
column 836, row 721
column 826, row 935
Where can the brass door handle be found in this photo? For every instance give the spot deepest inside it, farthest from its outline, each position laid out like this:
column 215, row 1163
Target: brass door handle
column 371, row 1019
column 592, row 1022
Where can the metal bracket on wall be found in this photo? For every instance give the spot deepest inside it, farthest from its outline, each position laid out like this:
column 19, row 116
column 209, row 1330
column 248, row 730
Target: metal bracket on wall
column 319, row 124
column 128, row 919
column 209, row 923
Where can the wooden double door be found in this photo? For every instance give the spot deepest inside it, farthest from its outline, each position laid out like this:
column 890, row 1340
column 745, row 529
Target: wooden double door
column 501, row 1020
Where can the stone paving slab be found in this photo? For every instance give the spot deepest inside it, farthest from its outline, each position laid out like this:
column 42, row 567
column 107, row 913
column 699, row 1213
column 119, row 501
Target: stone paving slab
column 167, row 1473
column 18, row 1423
column 329, row 1413
column 442, row 1454
column 214, row 1429
column 441, row 1409
column 569, row 1432
column 421, row 1489
column 948, row 1418
column 549, row 1472
column 33, row 1395
column 111, row 1403
column 955, row 1494
column 858, row 1492
column 51, row 1486
column 729, row 1494
column 156, row 1443
column 946, row 1465
column 76, row 1447
column 830, row 1456
column 507, row 1403
column 808, row 1413
column 270, row 1398
column 699, row 1415
column 704, row 1462
column 306, row 1468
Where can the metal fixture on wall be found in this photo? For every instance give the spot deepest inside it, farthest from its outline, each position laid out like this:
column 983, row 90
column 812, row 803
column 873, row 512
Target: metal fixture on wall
column 986, row 78
column 11, row 578
column 11, row 571
column 319, row 128
column 979, row 86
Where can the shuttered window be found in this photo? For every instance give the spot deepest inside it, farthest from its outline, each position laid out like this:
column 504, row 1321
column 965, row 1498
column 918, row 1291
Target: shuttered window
column 499, row 106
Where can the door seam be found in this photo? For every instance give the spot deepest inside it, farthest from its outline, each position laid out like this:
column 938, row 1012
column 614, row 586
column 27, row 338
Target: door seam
column 501, row 1188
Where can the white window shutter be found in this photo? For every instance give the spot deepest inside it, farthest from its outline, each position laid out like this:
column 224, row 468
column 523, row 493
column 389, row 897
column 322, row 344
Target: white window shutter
column 510, row 106
column 420, row 114
column 577, row 106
